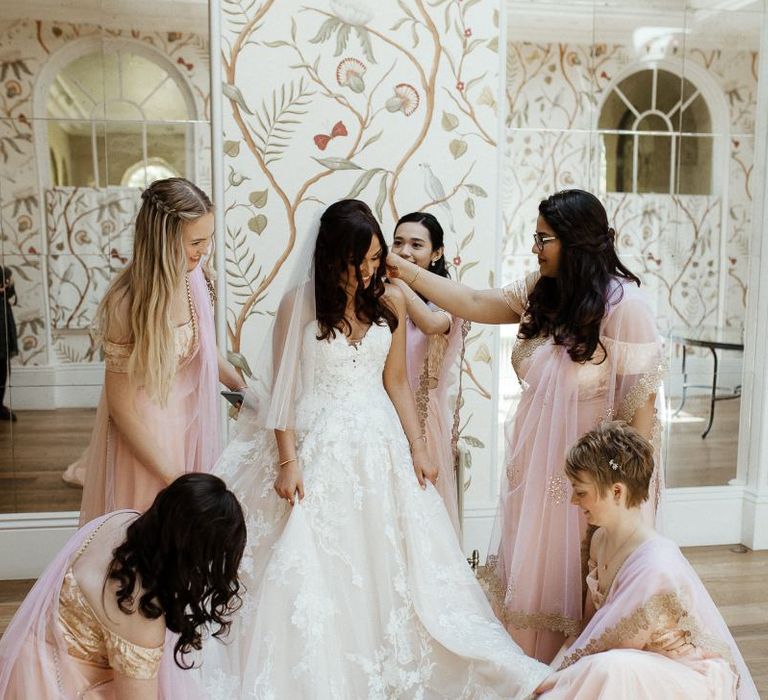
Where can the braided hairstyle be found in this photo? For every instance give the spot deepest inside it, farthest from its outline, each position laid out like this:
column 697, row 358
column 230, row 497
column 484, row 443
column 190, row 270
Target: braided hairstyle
column 571, row 306
column 150, row 281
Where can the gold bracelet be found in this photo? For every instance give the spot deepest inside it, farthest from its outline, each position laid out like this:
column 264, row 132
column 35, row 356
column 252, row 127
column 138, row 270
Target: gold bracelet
column 286, row 461
column 415, row 277
column 421, row 437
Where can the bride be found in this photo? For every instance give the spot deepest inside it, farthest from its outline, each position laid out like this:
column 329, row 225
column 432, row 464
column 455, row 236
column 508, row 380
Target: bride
column 356, row 586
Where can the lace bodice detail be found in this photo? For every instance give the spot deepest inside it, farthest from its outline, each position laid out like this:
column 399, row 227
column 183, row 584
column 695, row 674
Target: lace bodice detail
column 90, row 641
column 343, row 371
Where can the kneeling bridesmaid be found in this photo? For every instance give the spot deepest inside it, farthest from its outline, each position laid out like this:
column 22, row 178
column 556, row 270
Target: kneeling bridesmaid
column 120, row 608
column 652, row 631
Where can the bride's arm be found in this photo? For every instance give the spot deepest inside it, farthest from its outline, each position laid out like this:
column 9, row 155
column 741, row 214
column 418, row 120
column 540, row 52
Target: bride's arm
column 399, row 390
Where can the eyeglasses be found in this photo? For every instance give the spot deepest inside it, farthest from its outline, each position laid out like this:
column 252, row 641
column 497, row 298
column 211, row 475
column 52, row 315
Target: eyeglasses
column 539, row 239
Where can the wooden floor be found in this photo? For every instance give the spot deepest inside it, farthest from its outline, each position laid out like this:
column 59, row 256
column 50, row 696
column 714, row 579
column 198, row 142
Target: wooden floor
column 693, row 461
column 736, row 581
column 34, row 452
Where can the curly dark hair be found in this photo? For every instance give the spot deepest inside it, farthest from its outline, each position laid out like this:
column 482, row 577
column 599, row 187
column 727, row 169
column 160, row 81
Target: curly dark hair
column 347, row 228
column 184, row 552
column 571, row 306
column 436, row 237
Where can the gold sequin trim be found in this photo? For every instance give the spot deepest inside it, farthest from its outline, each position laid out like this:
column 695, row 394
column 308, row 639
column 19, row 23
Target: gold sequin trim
column 524, row 348
column 497, row 593
column 558, row 489
column 647, row 384
column 661, row 610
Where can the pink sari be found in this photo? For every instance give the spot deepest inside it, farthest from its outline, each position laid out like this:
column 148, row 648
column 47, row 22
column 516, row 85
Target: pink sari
column 186, row 428
column 34, row 660
column 431, row 369
column 657, row 635
column 536, row 575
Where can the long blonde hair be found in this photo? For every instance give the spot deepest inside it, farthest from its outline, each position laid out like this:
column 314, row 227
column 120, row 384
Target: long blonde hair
column 150, row 280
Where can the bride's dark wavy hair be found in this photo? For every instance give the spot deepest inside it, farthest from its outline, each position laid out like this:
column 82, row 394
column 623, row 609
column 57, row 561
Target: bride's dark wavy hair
column 571, row 306
column 184, row 552
column 347, row 228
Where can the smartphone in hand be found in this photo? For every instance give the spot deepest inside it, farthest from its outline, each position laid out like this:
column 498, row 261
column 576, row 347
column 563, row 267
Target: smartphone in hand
column 236, row 398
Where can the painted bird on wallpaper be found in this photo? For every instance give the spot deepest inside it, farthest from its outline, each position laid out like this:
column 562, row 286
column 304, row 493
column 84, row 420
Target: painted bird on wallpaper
column 321, row 140
column 434, row 188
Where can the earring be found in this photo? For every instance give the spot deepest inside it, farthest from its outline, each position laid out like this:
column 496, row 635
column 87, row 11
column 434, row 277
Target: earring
column 432, row 264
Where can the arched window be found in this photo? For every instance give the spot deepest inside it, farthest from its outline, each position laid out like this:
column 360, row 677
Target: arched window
column 143, row 172
column 656, row 135
column 107, row 109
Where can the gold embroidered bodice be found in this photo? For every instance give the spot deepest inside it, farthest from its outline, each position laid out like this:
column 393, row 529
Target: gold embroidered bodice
column 90, row 641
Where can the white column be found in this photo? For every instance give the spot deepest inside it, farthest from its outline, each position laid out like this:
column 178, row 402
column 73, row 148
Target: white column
column 753, row 424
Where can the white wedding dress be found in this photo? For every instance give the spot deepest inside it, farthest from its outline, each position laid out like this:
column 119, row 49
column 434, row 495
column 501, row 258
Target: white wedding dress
column 362, row 590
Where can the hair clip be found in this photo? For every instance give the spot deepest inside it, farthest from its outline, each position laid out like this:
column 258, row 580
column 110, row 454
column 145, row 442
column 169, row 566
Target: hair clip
column 616, row 467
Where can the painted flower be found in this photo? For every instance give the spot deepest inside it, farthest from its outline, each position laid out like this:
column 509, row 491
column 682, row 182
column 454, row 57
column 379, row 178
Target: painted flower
column 460, row 86
column 355, row 12
column 467, row 32
column 24, row 223
column 405, row 100
column 82, row 237
column 349, row 73
column 108, row 227
column 12, row 88
column 457, row 260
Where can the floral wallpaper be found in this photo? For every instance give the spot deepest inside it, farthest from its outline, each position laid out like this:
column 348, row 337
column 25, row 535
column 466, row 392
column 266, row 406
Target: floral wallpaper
column 393, row 102
column 691, row 251
column 83, row 231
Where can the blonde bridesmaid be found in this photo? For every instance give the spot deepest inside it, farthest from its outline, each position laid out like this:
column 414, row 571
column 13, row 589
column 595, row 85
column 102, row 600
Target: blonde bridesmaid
column 158, row 414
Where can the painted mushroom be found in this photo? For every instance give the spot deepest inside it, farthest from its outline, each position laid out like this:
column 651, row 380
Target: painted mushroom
column 405, row 99
column 349, row 73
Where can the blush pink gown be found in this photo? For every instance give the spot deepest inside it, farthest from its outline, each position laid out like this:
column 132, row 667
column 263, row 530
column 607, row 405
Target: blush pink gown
column 655, row 635
column 44, row 656
column 535, row 576
column 433, row 376
column 186, row 427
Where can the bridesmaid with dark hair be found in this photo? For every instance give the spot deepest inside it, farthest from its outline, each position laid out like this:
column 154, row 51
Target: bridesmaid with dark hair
column 96, row 622
column 434, row 340
column 587, row 350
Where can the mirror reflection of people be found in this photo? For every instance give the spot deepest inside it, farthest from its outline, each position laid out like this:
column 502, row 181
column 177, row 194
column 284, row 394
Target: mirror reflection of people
column 9, row 346
column 587, row 348
column 356, row 585
column 158, row 416
column 434, row 339
column 650, row 627
column 125, row 602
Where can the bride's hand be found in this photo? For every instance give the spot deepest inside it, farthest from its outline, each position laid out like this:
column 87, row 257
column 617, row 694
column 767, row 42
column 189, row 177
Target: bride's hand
column 289, row 481
column 547, row 684
column 425, row 471
column 393, row 263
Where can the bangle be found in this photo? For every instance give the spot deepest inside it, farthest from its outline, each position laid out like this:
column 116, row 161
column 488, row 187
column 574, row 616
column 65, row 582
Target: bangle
column 241, row 388
column 415, row 277
column 286, row 461
column 421, row 437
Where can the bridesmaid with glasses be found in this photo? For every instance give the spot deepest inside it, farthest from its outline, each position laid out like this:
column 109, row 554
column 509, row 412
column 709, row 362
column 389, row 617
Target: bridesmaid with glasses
column 587, row 350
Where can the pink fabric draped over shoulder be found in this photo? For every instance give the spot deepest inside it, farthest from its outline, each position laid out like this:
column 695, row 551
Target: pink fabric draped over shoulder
column 187, row 427
column 536, row 576
column 34, row 660
column 433, row 376
column 658, row 633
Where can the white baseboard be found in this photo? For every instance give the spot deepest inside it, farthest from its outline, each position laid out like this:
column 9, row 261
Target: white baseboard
column 755, row 520
column 29, row 541
column 703, row 515
column 692, row 517
column 61, row 386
